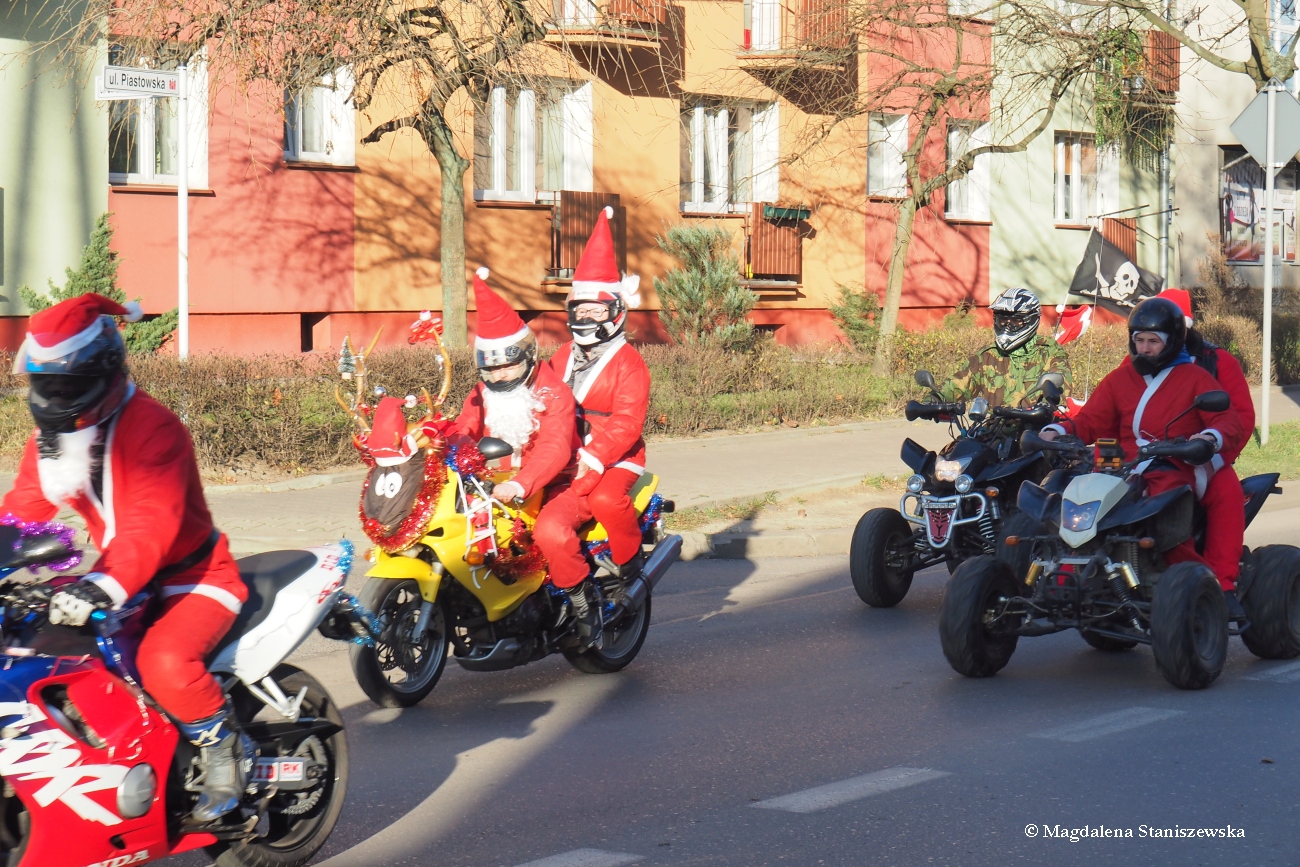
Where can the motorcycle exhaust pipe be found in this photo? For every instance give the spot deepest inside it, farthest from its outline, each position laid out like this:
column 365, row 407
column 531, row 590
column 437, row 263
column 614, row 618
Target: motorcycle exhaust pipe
column 664, row 555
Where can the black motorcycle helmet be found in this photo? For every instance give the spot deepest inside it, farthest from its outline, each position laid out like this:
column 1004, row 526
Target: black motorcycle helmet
column 1164, row 317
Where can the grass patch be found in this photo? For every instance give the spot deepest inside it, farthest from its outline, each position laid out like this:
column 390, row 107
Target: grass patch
column 740, row 510
column 1281, row 455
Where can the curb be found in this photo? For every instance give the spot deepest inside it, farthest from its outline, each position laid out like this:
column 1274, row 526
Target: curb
column 314, row 481
column 850, row 481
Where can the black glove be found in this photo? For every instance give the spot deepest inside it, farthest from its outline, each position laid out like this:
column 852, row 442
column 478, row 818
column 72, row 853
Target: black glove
column 73, row 604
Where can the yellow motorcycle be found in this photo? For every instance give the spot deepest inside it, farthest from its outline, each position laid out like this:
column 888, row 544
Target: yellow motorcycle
column 455, row 567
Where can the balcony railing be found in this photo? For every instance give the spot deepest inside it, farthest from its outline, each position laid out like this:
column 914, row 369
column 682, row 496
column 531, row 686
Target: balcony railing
column 611, row 17
column 571, row 222
column 1123, row 233
column 1163, row 55
column 774, row 248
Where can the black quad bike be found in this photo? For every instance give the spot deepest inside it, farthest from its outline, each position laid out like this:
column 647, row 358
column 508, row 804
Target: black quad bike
column 957, row 498
column 1086, row 552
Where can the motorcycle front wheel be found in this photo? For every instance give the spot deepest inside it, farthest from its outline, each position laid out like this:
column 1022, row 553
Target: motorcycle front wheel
column 297, row 823
column 399, row 671
column 622, row 642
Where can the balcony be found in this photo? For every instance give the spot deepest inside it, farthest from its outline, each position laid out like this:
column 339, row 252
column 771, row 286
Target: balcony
column 795, row 34
column 572, row 216
column 774, row 250
column 614, row 23
column 1162, row 61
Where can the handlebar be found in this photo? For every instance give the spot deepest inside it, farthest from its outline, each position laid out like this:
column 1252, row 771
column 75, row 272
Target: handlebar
column 1030, row 441
column 1193, row 451
column 1039, row 415
column 934, row 411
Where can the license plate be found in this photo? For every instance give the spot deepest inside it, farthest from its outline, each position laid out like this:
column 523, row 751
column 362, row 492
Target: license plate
column 279, row 771
column 940, row 523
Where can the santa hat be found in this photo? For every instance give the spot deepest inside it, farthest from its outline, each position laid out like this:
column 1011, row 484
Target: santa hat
column 70, row 325
column 1183, row 299
column 499, row 325
column 389, row 443
column 596, row 278
column 1072, row 322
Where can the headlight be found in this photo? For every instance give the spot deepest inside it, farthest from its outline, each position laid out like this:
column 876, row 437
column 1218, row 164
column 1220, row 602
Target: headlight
column 964, row 483
column 915, row 484
column 946, row 470
column 1079, row 517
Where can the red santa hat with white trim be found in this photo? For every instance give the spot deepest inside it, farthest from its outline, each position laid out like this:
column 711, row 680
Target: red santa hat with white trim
column 389, row 442
column 499, row 326
column 1183, row 299
column 68, row 326
column 597, row 277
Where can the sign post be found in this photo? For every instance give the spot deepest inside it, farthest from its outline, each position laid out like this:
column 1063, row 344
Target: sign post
column 126, row 82
column 1268, row 127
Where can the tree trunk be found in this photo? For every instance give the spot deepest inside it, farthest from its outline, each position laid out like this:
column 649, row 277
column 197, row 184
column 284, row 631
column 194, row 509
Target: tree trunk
column 894, row 286
column 452, row 167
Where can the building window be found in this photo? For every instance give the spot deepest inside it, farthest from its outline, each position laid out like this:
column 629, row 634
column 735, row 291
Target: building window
column 886, row 166
column 762, row 25
column 319, row 124
column 968, row 8
column 730, row 156
column 1076, row 177
column 575, row 13
column 967, row 198
column 143, row 138
column 529, row 143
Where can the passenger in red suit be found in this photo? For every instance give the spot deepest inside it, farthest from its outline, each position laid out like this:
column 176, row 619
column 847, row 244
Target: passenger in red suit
column 1144, row 394
column 1223, row 487
column 125, row 463
column 519, row 400
column 612, row 386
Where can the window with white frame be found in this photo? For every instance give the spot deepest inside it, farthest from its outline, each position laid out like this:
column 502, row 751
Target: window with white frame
column 730, row 155
column 886, row 144
column 1075, row 166
column 533, row 141
column 319, row 123
column 143, row 134
column 575, row 13
column 967, row 198
column 762, row 25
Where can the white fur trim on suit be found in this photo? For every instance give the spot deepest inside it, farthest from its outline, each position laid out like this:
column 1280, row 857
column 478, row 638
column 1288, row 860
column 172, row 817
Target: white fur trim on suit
column 1153, row 385
column 1218, row 438
column 590, row 460
column 615, row 346
column 109, row 585
column 487, row 343
column 629, row 465
column 224, row 597
column 1056, row 428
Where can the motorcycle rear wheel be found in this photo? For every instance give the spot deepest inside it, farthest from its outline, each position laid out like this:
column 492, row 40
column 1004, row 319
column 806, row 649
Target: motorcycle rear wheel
column 299, row 822
column 621, row 645
column 419, row 667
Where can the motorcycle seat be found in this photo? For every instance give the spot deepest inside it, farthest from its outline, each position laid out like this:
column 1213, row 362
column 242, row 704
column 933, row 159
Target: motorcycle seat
column 265, row 575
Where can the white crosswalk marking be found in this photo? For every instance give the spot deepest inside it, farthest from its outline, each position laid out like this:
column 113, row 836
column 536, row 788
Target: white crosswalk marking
column 1289, row 673
column 585, row 858
column 1107, row 724
column 834, row 794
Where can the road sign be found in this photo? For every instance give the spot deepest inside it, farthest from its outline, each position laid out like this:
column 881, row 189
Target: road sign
column 146, row 81
column 1251, row 127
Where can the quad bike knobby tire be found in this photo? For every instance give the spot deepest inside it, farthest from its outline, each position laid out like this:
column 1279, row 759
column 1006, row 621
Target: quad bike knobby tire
column 1273, row 604
column 1018, row 557
column 879, row 534
column 969, row 603
column 1189, row 626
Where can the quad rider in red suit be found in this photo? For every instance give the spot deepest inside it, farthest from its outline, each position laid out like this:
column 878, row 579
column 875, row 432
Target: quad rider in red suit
column 612, row 386
column 125, row 463
column 1224, row 487
column 1136, row 401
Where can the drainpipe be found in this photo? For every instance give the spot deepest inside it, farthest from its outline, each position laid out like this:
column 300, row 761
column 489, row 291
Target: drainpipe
column 1166, row 207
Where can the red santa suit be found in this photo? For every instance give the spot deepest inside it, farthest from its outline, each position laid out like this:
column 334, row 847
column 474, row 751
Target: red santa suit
column 611, row 384
column 548, row 451
column 145, row 511
column 1136, row 408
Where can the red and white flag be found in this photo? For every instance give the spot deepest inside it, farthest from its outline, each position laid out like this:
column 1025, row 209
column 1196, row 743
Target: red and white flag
column 1072, row 322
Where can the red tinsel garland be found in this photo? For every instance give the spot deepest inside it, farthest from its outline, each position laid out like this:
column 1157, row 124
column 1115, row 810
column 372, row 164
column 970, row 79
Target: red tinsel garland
column 521, row 557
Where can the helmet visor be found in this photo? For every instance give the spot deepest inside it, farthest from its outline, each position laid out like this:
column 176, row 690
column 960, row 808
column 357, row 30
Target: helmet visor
column 63, row 387
column 1012, row 323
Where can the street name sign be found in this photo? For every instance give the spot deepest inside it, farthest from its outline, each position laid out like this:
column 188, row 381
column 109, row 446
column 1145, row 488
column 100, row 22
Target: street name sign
column 145, row 81
column 1251, row 127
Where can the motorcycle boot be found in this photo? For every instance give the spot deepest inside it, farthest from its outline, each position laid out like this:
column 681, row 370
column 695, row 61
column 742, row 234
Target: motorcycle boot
column 226, row 757
column 588, row 627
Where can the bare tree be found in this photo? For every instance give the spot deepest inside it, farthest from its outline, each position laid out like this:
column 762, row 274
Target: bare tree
column 411, row 54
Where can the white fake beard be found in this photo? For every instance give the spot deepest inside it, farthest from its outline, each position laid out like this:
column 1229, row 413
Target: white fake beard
column 68, row 475
column 511, row 415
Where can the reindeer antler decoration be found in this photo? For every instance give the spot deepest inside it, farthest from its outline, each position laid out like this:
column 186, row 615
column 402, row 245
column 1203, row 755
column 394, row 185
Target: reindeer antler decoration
column 352, row 366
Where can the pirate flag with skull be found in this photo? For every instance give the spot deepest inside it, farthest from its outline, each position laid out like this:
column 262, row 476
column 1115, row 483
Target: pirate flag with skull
column 1108, row 277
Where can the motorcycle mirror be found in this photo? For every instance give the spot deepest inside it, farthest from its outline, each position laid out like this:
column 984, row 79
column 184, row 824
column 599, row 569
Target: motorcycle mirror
column 979, row 409
column 492, row 448
column 1213, row 401
column 925, row 379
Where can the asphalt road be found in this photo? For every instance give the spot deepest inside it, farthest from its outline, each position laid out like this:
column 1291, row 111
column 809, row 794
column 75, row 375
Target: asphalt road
column 772, row 718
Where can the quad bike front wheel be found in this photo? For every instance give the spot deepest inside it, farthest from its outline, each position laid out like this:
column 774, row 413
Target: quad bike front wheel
column 298, row 822
column 1189, row 626
column 1273, row 604
column 972, row 604
column 399, row 670
column 878, row 555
